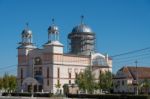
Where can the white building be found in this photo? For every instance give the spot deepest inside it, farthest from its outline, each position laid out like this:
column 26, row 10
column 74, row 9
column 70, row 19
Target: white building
column 127, row 78
column 46, row 68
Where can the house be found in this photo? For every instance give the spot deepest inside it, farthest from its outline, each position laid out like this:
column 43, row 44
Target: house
column 130, row 78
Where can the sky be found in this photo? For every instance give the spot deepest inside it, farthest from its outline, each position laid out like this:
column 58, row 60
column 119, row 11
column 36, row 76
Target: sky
column 120, row 26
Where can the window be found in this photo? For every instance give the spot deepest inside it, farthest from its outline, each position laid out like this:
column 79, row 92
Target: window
column 76, row 75
column 47, row 72
column 58, row 72
column 37, row 61
column 37, row 71
column 69, row 81
column 21, row 73
column 47, row 82
column 123, row 83
column 69, row 75
column 21, row 76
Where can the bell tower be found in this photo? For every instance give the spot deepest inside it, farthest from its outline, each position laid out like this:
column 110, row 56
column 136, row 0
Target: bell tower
column 25, row 46
column 26, row 43
column 53, row 45
column 53, row 32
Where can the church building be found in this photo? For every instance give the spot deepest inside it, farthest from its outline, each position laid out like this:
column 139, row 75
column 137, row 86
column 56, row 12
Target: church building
column 48, row 68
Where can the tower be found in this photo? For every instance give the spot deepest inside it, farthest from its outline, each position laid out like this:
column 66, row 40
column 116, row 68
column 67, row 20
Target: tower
column 26, row 37
column 53, row 32
column 82, row 39
column 53, row 45
column 24, row 48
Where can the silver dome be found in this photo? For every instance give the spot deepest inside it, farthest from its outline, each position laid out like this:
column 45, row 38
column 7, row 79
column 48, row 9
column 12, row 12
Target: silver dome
column 26, row 32
column 81, row 28
column 53, row 29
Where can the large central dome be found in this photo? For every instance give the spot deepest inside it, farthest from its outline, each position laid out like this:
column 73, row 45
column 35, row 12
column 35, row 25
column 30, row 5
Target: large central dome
column 81, row 28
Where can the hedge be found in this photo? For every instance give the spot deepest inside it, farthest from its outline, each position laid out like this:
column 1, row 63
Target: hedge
column 28, row 94
column 109, row 96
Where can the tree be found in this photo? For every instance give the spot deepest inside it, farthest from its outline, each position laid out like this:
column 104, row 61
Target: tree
column 5, row 82
column 86, row 81
column 12, row 83
column 1, row 83
column 105, row 81
column 58, row 85
column 8, row 82
column 146, row 85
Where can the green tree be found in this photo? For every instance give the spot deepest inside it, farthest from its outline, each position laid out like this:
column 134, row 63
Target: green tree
column 146, row 85
column 6, row 81
column 1, row 83
column 58, row 85
column 12, row 83
column 105, row 81
column 86, row 81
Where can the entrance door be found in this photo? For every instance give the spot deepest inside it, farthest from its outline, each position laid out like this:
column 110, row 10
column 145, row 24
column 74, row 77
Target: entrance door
column 29, row 88
column 40, row 88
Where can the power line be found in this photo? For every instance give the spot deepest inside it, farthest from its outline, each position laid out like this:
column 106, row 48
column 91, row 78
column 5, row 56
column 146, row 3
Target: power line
column 6, row 67
column 135, row 56
column 130, row 52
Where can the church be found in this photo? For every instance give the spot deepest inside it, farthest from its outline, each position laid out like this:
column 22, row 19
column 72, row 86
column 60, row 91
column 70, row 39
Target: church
column 48, row 67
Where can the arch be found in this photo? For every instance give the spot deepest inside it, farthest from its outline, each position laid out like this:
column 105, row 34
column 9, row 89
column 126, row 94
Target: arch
column 29, row 81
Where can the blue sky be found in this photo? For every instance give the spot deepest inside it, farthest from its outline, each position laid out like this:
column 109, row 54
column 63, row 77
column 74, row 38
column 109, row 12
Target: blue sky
column 120, row 25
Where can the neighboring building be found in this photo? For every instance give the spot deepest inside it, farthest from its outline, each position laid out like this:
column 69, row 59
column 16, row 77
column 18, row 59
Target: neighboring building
column 127, row 78
column 49, row 68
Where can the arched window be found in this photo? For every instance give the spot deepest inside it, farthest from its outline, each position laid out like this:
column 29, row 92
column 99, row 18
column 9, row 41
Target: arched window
column 100, row 61
column 37, row 61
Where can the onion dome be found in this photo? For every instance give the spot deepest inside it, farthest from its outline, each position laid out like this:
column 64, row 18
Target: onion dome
column 81, row 28
column 26, row 32
column 53, row 28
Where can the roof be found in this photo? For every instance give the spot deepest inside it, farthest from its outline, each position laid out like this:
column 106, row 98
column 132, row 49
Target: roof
column 54, row 43
column 133, row 72
column 82, row 28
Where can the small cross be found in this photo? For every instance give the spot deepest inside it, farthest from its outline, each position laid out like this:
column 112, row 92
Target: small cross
column 27, row 25
column 53, row 20
column 82, row 17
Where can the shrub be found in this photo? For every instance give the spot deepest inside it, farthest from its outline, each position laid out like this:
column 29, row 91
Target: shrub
column 109, row 96
column 28, row 94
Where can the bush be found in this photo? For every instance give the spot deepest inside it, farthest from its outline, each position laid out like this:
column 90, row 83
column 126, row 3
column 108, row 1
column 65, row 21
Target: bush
column 109, row 96
column 28, row 94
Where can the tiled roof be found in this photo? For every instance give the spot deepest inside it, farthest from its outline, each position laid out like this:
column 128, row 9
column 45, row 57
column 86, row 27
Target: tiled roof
column 133, row 72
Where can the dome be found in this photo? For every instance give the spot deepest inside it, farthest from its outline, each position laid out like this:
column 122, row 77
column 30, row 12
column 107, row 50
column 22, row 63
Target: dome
column 26, row 32
column 53, row 29
column 81, row 28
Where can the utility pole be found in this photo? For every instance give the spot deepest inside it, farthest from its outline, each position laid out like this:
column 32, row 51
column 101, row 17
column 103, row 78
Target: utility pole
column 136, row 62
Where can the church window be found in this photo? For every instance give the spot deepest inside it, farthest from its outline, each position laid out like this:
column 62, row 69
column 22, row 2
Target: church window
column 69, row 75
column 47, row 72
column 58, row 72
column 37, row 61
